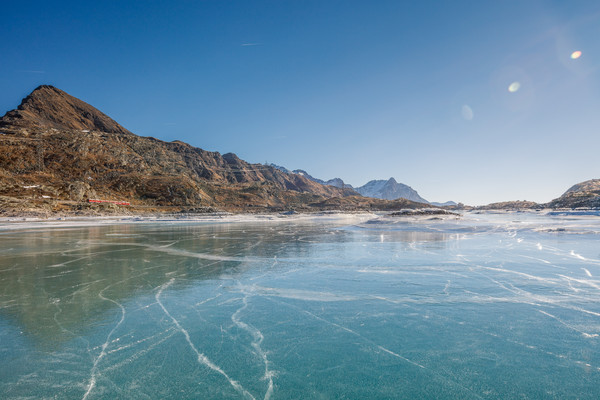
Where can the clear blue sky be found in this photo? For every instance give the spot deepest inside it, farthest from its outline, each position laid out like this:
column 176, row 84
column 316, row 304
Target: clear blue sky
column 360, row 90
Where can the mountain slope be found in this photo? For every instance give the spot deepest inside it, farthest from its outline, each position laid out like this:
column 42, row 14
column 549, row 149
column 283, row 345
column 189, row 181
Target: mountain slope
column 49, row 107
column 378, row 189
column 336, row 182
column 55, row 146
column 308, row 176
column 583, row 194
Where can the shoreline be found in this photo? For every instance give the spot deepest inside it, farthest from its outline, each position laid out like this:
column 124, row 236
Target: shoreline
column 17, row 223
column 22, row 222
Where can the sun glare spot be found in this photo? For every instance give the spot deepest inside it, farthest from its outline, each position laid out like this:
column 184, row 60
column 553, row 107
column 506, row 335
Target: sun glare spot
column 575, row 55
column 513, row 87
column 467, row 112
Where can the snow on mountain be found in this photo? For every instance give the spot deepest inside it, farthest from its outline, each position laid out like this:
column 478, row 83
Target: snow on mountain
column 389, row 190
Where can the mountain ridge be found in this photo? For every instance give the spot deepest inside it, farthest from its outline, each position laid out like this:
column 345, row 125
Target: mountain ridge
column 336, row 182
column 379, row 189
column 50, row 107
column 582, row 194
column 390, row 190
column 57, row 152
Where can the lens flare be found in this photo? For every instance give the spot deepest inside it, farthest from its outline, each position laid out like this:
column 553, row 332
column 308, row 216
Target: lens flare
column 513, row 87
column 575, row 55
column 467, row 112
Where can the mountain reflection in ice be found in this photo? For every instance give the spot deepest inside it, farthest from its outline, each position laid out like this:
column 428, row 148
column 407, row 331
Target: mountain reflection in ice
column 486, row 306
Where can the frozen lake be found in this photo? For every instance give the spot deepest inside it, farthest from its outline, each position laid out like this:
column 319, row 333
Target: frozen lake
column 488, row 306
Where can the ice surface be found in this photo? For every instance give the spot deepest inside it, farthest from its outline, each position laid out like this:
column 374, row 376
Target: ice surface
column 490, row 305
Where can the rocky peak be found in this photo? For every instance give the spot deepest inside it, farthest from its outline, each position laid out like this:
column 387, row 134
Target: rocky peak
column 338, row 182
column 49, row 107
column 389, row 190
column 583, row 194
column 232, row 158
column 593, row 185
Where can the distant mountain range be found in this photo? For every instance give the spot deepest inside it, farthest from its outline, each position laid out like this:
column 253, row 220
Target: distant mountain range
column 380, row 189
column 446, row 204
column 390, row 190
column 582, row 195
column 585, row 194
column 335, row 182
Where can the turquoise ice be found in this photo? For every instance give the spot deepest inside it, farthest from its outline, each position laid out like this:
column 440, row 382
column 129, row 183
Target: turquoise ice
column 487, row 306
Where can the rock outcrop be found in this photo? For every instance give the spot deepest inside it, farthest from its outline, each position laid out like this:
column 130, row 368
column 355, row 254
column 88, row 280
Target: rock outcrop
column 48, row 107
column 584, row 194
column 511, row 205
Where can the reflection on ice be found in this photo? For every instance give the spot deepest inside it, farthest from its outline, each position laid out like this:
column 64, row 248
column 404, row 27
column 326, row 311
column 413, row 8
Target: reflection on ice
column 358, row 307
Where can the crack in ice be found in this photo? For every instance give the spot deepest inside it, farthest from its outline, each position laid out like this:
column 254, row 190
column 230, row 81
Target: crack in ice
column 202, row 359
column 256, row 344
column 105, row 345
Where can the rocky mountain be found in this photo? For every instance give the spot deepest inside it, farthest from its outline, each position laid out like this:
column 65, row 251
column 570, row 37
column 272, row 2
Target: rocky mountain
column 378, row 189
column 55, row 146
column 336, row 182
column 48, row 107
column 56, row 152
column 279, row 167
column 584, row 194
column 389, row 190
column 308, row 176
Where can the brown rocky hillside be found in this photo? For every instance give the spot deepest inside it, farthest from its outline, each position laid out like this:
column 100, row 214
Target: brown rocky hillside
column 58, row 150
column 49, row 107
column 584, row 194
